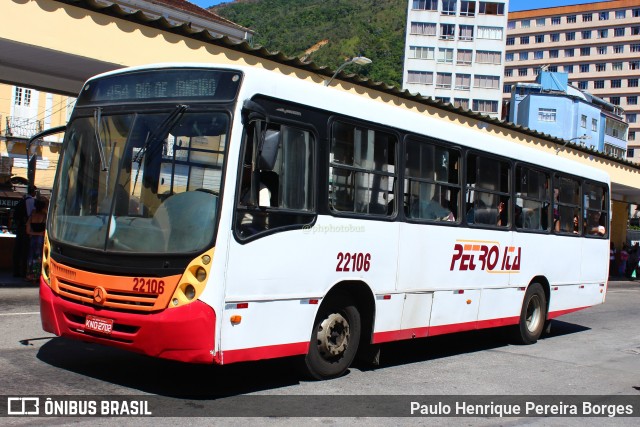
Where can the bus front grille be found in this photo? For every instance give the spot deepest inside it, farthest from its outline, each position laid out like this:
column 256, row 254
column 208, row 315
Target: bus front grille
column 115, row 299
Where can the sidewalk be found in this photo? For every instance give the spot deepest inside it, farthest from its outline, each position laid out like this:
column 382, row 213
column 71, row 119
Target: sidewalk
column 7, row 280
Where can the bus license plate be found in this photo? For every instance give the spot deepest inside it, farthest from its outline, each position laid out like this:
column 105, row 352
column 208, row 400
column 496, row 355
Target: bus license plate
column 98, row 324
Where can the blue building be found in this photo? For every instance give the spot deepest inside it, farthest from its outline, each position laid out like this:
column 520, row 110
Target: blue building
column 551, row 105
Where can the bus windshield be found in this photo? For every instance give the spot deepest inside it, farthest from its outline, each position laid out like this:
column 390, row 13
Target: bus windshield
column 140, row 182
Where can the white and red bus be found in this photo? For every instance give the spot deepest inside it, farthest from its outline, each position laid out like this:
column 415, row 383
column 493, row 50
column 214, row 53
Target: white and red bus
column 218, row 214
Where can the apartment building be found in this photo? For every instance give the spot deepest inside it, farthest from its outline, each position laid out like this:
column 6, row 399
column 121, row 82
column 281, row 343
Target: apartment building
column 454, row 52
column 596, row 44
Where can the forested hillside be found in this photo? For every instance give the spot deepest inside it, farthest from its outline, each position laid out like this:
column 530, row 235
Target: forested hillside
column 334, row 30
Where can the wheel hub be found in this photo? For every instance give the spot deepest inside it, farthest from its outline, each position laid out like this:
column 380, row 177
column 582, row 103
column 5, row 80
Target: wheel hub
column 333, row 336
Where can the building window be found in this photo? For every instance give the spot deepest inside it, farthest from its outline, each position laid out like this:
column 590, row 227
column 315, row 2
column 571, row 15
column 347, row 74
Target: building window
column 488, row 57
column 569, row 53
column 583, row 121
column 464, row 57
column 524, row 40
column 584, row 85
column 555, row 37
column 602, row 66
column 461, row 103
column 511, row 41
column 465, row 32
column 421, row 52
column 491, row 8
column 486, row 82
column 602, row 50
column 525, row 23
column 508, row 57
column 616, row 83
column 546, row 114
column 554, row 53
column 523, row 56
column 425, row 4
column 631, row 136
column 443, row 99
column 584, row 68
column 568, row 69
column 635, row 13
column 618, row 32
column 571, row 19
column 463, row 81
column 585, row 51
column 571, row 35
column 508, row 72
column 621, row 14
column 540, row 22
column 491, row 33
column 598, row 84
column 506, row 89
column 603, row 16
column 635, row 47
column 22, row 97
column 615, row 100
column 540, row 38
column 468, row 8
column 586, row 34
column 632, row 100
column 619, row 48
column 448, row 7
column 594, row 125
column 587, row 17
column 553, row 68
column 616, row 66
column 420, row 77
column 634, row 65
column 443, row 80
column 632, row 117
column 630, row 152
column 555, row 20
column 522, row 72
column 603, row 34
column 447, row 31
column 485, row 106
column 445, row 55
column 632, row 82
column 423, row 28
column 538, row 54
column 635, row 31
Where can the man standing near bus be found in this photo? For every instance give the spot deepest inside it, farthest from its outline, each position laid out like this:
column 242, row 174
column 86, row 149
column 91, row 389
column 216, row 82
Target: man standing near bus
column 21, row 213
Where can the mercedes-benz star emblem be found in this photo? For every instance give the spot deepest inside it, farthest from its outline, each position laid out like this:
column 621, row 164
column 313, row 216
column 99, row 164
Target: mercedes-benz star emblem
column 99, row 295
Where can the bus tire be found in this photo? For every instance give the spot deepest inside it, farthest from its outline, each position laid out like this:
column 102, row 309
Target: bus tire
column 533, row 316
column 334, row 339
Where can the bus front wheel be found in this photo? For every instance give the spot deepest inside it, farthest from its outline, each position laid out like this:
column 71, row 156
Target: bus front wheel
column 334, row 338
column 532, row 316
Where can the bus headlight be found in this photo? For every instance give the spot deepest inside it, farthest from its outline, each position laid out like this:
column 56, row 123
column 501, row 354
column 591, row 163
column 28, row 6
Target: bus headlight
column 193, row 280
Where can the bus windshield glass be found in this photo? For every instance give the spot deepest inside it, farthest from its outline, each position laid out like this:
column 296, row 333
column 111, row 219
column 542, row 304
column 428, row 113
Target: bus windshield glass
column 141, row 182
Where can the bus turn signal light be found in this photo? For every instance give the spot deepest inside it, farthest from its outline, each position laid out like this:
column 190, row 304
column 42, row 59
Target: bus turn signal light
column 236, row 319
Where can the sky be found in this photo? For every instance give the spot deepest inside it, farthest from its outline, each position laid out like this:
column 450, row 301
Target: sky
column 514, row 5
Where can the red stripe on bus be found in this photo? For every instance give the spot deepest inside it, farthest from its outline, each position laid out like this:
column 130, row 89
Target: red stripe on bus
column 554, row 314
column 267, row 352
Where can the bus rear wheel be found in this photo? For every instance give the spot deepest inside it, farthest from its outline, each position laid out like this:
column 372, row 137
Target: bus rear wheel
column 334, row 339
column 532, row 316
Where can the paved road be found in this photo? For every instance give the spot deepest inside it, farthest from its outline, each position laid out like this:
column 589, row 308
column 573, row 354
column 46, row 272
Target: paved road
column 592, row 352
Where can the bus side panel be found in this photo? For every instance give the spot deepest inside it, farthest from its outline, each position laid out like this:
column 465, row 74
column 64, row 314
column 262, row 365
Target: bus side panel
column 594, row 260
column 568, row 298
column 306, row 265
column 454, row 311
column 500, row 307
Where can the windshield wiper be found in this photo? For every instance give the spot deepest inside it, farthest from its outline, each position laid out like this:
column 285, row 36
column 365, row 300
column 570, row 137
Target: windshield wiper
column 97, row 116
column 158, row 134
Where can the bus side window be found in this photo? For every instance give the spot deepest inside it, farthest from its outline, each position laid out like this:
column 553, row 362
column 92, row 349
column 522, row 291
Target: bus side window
column 276, row 182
